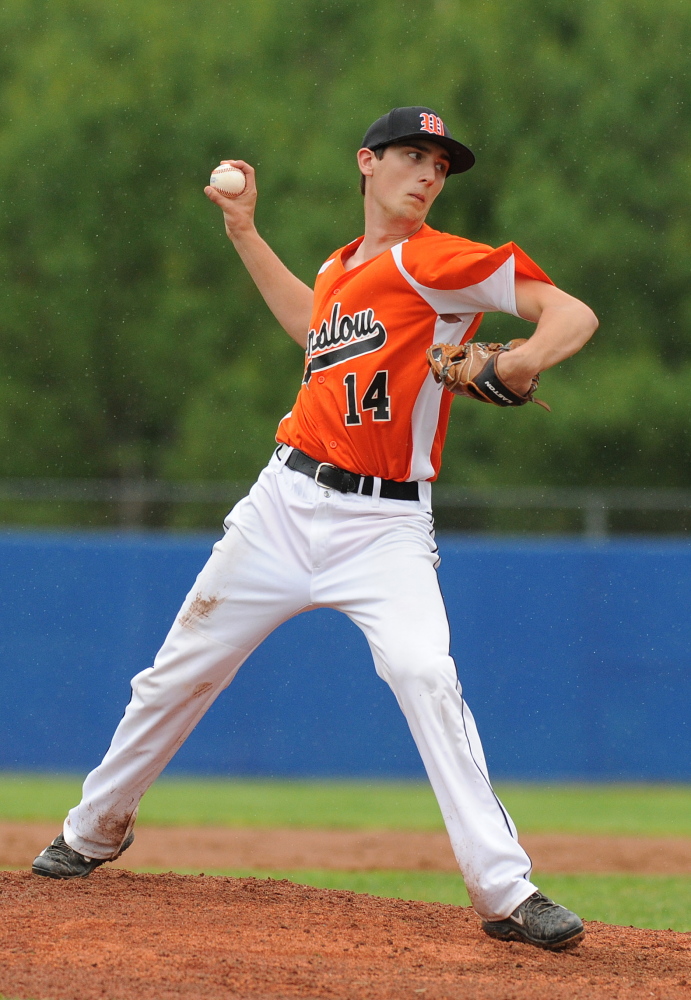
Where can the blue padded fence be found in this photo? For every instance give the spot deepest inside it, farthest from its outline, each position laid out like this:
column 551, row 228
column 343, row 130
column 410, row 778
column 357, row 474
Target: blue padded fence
column 574, row 658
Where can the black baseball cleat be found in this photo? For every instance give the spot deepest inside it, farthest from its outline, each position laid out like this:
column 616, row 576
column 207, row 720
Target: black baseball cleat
column 58, row 860
column 538, row 921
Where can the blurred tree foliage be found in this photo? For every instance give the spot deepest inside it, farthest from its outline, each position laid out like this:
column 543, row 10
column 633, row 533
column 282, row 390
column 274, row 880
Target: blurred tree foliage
column 132, row 341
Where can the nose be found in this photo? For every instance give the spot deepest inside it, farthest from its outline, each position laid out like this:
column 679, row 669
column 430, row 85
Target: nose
column 427, row 174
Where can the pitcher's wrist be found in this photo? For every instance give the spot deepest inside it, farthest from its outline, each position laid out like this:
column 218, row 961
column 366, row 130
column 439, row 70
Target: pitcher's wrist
column 516, row 370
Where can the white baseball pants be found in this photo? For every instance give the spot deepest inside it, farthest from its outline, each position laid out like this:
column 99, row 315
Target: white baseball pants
column 291, row 546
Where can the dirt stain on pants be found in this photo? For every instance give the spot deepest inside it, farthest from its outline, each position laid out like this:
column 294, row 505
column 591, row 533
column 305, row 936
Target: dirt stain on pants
column 200, row 608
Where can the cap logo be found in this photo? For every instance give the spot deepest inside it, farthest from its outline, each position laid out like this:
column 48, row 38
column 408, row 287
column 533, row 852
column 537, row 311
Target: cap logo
column 431, row 123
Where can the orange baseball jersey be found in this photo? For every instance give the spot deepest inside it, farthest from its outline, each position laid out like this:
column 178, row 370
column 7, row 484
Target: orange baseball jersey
column 369, row 402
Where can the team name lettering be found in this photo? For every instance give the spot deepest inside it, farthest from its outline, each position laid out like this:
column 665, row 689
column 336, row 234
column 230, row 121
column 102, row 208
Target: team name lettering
column 342, row 337
column 431, row 123
column 342, row 329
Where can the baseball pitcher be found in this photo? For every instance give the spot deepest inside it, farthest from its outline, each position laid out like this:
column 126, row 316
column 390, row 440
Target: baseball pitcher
column 341, row 516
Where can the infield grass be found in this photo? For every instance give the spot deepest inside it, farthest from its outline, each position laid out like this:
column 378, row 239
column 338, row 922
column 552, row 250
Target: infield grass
column 623, row 809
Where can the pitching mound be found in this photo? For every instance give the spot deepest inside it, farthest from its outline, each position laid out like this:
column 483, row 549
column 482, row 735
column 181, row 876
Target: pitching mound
column 121, row 936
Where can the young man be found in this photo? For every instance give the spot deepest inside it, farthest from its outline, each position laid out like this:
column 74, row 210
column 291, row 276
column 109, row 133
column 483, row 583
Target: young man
column 341, row 516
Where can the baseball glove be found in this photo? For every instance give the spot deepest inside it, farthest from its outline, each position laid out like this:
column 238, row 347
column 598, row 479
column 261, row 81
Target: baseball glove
column 470, row 370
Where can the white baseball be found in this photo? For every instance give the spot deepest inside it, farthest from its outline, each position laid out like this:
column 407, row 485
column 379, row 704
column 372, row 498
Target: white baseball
column 229, row 181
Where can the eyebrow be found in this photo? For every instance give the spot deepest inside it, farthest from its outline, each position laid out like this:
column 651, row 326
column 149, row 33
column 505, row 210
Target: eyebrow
column 427, row 148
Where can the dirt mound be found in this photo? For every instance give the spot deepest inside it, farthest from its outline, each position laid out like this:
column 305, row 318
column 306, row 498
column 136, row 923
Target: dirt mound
column 123, row 936
column 209, row 848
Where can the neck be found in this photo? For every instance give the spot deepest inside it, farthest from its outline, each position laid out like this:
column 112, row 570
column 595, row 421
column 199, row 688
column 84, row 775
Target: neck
column 381, row 234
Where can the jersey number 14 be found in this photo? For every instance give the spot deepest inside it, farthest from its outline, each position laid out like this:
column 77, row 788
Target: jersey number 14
column 376, row 398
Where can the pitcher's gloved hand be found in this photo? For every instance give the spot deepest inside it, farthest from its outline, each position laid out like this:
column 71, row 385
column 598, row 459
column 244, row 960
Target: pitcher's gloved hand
column 470, row 370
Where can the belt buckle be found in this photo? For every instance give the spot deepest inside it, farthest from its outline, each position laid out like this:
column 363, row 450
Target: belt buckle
column 318, row 470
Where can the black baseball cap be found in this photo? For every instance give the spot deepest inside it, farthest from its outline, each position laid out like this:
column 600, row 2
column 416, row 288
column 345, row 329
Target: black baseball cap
column 418, row 123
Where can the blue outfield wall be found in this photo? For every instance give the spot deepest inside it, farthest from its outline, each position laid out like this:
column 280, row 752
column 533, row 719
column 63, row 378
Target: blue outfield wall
column 574, row 658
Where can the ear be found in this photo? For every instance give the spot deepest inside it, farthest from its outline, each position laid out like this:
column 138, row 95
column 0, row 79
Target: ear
column 365, row 159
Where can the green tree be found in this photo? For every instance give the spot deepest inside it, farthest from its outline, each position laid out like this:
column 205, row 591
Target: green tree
column 133, row 343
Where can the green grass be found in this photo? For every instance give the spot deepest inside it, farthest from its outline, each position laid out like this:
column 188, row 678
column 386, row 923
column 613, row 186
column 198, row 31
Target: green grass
column 658, row 902
column 637, row 810
column 207, row 802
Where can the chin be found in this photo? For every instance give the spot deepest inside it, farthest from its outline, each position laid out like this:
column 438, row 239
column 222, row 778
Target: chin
column 412, row 212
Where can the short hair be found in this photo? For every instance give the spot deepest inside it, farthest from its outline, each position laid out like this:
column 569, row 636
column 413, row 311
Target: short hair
column 379, row 153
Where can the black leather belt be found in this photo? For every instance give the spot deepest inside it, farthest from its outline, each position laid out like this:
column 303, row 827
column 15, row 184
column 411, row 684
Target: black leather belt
column 330, row 477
